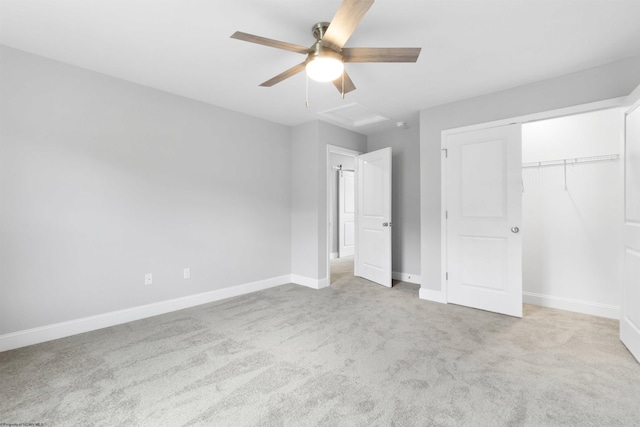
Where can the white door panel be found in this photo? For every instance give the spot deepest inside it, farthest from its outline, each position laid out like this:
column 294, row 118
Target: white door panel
column 346, row 213
column 630, row 317
column 373, row 247
column 349, row 237
column 483, row 183
column 483, row 204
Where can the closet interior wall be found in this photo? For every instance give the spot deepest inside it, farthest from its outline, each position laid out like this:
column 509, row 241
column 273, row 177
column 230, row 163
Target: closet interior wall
column 572, row 215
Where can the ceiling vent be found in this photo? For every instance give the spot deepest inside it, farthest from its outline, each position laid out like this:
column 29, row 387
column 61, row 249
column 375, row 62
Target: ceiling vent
column 353, row 115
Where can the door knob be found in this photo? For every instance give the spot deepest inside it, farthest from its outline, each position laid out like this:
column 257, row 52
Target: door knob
column 386, row 224
column 514, row 229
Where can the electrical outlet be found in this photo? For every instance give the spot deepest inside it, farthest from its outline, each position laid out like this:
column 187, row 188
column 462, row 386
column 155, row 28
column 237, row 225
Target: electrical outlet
column 187, row 273
column 148, row 279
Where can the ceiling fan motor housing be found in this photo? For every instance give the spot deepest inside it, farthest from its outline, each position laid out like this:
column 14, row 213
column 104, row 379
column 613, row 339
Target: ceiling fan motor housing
column 320, row 50
column 319, row 29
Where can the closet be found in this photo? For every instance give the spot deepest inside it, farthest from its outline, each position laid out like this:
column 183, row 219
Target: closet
column 572, row 210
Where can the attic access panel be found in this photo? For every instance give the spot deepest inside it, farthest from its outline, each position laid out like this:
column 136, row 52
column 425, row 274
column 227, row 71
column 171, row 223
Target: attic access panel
column 354, row 115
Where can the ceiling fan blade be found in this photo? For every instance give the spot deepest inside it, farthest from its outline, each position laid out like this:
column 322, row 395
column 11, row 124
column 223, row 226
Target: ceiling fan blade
column 348, row 83
column 381, row 54
column 269, row 42
column 345, row 22
column 285, row 75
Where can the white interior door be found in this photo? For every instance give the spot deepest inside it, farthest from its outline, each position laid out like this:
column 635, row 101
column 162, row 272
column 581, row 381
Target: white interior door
column 630, row 316
column 484, row 213
column 373, row 239
column 346, row 213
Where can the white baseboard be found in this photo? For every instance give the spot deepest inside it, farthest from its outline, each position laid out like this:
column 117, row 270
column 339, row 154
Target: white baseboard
column 569, row 304
column 333, row 255
column 309, row 282
column 406, row 277
column 347, row 252
column 435, row 296
column 92, row 323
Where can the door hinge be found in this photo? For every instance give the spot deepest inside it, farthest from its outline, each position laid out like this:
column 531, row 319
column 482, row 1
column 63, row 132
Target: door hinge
column 446, row 276
column 446, row 152
column 446, row 214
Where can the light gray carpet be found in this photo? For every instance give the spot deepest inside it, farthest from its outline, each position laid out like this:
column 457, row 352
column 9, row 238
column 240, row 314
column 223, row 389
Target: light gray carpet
column 353, row 354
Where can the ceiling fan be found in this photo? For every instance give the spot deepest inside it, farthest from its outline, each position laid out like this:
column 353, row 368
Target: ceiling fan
column 326, row 57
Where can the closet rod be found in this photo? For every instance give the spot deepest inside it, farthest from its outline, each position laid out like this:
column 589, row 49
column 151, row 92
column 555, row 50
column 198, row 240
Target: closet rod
column 339, row 168
column 573, row 161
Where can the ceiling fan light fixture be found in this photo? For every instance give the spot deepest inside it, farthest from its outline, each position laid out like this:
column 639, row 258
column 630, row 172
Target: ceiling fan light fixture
column 324, row 69
column 324, row 64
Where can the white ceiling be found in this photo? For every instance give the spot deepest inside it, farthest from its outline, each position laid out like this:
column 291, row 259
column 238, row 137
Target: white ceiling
column 469, row 47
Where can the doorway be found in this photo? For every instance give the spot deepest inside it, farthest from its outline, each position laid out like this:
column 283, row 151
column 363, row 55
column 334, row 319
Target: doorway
column 369, row 213
column 341, row 165
column 572, row 199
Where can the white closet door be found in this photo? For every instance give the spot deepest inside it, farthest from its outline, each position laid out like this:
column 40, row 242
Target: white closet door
column 484, row 214
column 630, row 316
column 346, row 213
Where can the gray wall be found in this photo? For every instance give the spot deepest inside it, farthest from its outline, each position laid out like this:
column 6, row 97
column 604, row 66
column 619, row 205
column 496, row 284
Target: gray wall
column 405, row 183
column 102, row 181
column 610, row 81
column 305, row 177
column 309, row 193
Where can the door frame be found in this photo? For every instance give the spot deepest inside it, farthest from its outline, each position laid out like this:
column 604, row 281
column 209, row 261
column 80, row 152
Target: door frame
column 442, row 296
column 346, row 152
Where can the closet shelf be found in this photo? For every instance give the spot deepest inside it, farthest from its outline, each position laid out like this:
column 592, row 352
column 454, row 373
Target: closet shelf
column 573, row 161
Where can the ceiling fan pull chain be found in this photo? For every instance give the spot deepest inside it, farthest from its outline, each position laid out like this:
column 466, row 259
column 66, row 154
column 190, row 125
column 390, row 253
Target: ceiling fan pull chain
column 306, row 100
